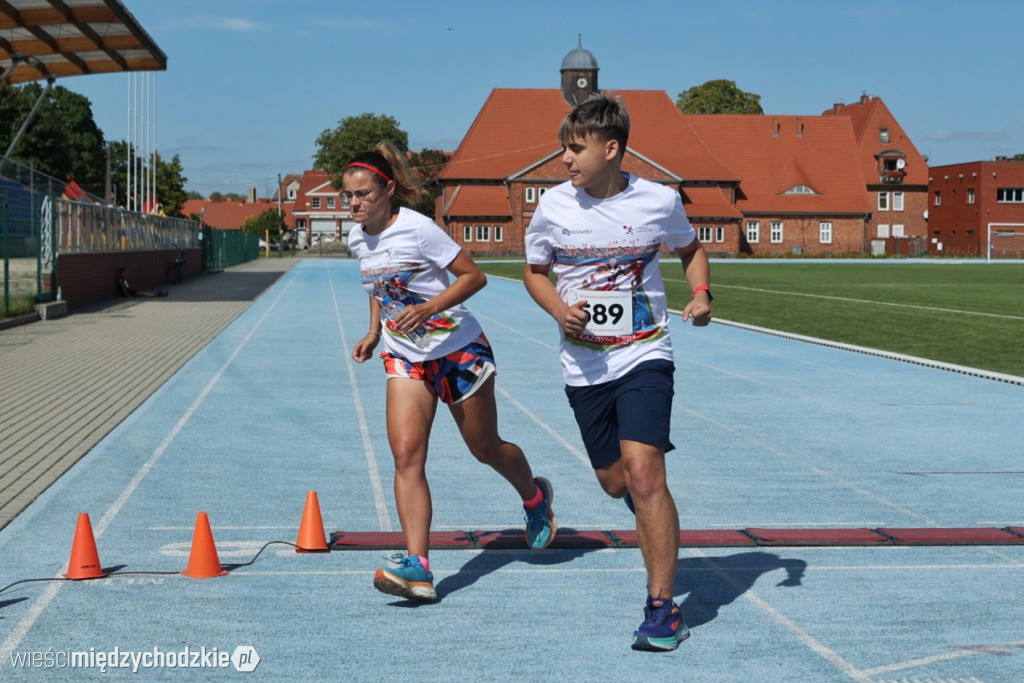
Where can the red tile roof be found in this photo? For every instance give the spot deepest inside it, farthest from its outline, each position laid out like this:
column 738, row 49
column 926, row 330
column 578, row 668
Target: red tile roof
column 518, row 128
column 869, row 115
column 708, row 203
column 823, row 157
column 316, row 183
column 479, row 200
column 228, row 215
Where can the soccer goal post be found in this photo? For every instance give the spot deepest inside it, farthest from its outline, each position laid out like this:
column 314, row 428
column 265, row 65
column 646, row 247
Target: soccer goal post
column 1006, row 239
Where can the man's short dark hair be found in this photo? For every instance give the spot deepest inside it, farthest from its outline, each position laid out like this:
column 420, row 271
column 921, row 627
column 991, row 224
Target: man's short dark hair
column 602, row 115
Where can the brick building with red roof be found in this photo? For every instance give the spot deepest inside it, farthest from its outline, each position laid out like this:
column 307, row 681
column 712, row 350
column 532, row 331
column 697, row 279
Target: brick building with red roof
column 816, row 185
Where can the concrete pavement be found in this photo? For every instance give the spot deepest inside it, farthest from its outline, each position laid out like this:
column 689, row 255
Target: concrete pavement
column 65, row 383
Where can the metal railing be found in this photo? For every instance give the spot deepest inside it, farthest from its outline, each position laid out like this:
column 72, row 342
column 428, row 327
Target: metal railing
column 37, row 224
column 81, row 228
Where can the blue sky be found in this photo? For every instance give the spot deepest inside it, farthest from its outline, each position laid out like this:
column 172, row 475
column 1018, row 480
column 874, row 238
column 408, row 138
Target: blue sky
column 251, row 84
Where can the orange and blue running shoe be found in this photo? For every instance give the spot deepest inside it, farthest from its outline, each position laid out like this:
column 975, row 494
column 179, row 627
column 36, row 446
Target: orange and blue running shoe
column 408, row 580
column 541, row 525
column 663, row 628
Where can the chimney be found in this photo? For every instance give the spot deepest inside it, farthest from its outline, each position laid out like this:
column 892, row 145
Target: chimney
column 836, row 107
column 250, row 196
column 865, row 98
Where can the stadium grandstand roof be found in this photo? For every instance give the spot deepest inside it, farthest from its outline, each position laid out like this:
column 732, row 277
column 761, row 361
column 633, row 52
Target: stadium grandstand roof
column 46, row 39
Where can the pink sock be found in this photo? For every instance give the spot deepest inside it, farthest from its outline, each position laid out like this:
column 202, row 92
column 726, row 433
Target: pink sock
column 425, row 562
column 537, row 499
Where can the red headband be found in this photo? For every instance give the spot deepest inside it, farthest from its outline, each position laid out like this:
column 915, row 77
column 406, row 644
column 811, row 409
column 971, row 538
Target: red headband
column 371, row 168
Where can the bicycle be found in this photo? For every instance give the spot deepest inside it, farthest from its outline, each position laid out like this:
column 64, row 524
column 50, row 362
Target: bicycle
column 176, row 273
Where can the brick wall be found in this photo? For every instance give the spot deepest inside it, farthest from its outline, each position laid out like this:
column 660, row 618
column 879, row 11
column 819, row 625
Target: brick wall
column 87, row 279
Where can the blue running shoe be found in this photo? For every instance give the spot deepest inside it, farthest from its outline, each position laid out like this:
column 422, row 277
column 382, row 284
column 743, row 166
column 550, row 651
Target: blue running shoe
column 541, row 524
column 408, row 580
column 663, row 628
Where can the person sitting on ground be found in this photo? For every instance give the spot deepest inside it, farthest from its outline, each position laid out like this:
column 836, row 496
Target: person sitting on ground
column 128, row 292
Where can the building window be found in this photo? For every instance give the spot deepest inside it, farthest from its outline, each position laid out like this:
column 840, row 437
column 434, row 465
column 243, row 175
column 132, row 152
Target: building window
column 499, row 234
column 776, row 232
column 883, row 201
column 1010, row 195
column 970, row 195
column 541, row 191
column 799, row 189
column 483, row 233
column 719, row 233
column 753, row 232
column 330, row 202
column 344, row 202
column 883, row 135
column 314, row 203
column 897, row 201
column 883, row 232
column 825, row 232
column 897, row 231
column 704, row 233
column 291, row 193
column 531, row 195
column 467, row 233
column 938, row 198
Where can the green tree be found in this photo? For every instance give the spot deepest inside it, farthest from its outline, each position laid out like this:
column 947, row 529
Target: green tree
column 62, row 141
column 355, row 135
column 427, row 165
column 718, row 97
column 170, row 183
column 267, row 222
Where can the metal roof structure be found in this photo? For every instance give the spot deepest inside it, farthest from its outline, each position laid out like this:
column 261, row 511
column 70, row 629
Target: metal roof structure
column 48, row 39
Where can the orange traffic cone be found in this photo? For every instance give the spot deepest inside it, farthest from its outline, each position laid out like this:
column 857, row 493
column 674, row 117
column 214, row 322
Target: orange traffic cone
column 203, row 562
column 85, row 561
column 311, row 532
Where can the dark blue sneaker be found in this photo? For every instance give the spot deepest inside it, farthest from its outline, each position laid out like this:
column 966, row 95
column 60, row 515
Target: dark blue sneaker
column 408, row 580
column 663, row 628
column 541, row 524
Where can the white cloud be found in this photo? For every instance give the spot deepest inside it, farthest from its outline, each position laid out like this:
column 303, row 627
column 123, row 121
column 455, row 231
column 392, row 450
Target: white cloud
column 996, row 135
column 216, row 23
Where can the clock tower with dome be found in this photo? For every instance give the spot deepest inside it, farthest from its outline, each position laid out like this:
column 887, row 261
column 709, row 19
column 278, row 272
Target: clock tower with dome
column 579, row 75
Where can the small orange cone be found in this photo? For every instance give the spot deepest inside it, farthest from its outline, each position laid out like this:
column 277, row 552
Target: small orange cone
column 85, row 561
column 311, row 532
column 203, row 562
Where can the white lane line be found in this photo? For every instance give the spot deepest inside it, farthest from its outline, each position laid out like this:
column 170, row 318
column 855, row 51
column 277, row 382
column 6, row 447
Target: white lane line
column 785, row 622
column 870, row 302
column 379, row 501
column 36, row 609
column 582, row 457
column 945, row 657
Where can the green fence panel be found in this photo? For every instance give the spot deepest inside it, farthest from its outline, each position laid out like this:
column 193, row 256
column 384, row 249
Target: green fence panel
column 225, row 248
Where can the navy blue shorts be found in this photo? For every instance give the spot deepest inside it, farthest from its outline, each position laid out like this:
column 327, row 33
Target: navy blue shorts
column 636, row 407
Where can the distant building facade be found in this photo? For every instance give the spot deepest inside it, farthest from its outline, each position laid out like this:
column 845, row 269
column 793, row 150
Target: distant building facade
column 977, row 209
column 847, row 181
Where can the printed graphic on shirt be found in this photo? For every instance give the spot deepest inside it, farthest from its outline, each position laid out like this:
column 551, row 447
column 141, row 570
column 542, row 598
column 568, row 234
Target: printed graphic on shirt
column 611, row 281
column 393, row 281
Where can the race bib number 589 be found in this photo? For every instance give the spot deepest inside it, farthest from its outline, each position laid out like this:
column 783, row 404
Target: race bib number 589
column 610, row 312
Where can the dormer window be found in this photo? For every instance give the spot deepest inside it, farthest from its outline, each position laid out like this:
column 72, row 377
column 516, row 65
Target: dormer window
column 799, row 189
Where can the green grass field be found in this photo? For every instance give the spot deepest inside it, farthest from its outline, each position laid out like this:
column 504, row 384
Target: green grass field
column 965, row 314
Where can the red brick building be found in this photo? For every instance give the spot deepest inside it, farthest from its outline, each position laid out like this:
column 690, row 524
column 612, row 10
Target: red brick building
column 896, row 175
column 843, row 182
column 977, row 207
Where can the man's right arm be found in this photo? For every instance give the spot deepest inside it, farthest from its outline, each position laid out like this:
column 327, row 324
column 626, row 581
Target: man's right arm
column 572, row 318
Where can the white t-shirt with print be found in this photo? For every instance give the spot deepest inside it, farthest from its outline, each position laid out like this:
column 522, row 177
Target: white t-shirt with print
column 607, row 251
column 408, row 261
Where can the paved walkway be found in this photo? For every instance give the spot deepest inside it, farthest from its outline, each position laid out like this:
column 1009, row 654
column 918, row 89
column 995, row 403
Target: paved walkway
column 65, row 383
